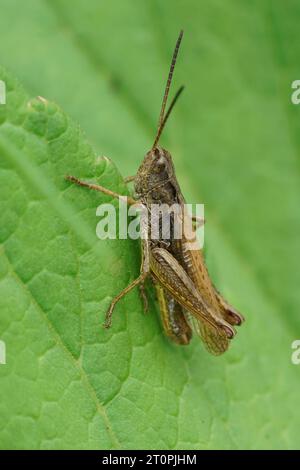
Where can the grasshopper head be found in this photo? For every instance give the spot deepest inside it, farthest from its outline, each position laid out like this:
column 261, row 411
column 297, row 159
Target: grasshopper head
column 156, row 177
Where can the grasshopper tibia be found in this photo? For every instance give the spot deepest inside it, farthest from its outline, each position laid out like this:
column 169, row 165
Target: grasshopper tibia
column 145, row 270
column 136, row 282
column 144, row 297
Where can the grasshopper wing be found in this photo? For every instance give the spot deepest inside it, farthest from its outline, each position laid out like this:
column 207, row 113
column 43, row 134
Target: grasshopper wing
column 215, row 341
column 215, row 332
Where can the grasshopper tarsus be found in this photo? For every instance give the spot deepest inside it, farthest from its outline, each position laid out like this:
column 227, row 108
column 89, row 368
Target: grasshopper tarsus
column 106, row 325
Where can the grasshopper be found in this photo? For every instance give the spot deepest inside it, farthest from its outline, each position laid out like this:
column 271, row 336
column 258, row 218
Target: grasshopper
column 188, row 300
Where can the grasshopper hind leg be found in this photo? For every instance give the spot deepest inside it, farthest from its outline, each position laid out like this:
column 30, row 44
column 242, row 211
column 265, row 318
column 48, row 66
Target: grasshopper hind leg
column 136, row 282
column 172, row 316
column 144, row 297
column 232, row 316
column 144, row 272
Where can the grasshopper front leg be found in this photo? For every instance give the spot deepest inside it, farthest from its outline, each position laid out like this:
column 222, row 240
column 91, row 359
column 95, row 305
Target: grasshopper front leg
column 129, row 179
column 101, row 189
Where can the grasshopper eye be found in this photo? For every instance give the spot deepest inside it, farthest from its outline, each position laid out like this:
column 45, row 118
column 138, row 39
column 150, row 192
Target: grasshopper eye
column 160, row 164
column 161, row 161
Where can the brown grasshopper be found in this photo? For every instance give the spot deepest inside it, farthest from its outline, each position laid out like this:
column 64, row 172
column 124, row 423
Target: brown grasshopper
column 187, row 299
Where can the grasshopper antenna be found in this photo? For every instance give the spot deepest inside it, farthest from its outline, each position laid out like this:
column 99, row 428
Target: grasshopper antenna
column 164, row 117
column 163, row 123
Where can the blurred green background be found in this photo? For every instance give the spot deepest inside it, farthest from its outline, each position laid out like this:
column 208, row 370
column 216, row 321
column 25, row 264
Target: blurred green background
column 235, row 139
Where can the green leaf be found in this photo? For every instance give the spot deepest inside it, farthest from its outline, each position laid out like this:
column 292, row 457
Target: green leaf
column 235, row 142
